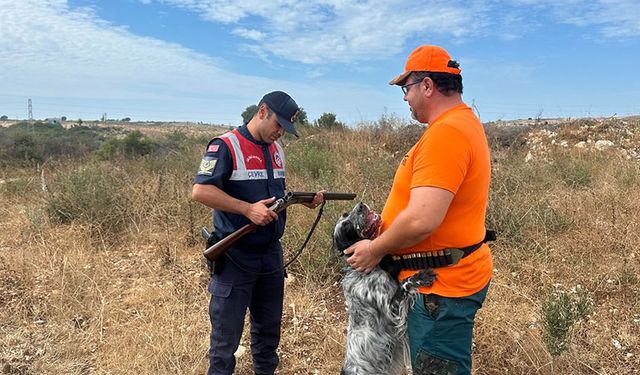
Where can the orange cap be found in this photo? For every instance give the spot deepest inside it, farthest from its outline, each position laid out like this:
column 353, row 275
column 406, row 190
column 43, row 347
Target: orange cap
column 427, row 59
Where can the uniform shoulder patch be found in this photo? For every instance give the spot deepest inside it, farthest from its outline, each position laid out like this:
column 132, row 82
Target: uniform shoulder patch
column 207, row 165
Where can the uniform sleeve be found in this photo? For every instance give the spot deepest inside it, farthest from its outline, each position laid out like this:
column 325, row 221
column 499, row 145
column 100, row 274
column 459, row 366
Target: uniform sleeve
column 216, row 165
column 442, row 159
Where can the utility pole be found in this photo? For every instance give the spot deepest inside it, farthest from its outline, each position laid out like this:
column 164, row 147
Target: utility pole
column 30, row 115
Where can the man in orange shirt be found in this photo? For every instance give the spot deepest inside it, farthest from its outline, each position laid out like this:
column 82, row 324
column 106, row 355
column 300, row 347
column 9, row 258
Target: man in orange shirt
column 438, row 201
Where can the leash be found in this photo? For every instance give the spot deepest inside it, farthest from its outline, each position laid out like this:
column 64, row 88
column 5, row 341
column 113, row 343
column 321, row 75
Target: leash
column 295, row 256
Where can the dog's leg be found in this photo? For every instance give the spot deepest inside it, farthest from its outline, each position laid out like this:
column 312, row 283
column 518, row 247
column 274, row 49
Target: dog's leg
column 424, row 277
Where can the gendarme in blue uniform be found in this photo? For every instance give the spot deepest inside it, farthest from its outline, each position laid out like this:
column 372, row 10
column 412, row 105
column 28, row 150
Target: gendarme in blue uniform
column 248, row 170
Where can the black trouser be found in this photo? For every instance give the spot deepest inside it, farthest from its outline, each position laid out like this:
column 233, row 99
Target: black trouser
column 233, row 290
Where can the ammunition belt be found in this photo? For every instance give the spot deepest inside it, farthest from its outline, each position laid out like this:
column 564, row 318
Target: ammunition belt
column 439, row 258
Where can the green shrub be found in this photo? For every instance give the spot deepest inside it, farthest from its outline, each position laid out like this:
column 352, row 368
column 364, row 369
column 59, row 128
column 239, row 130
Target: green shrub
column 248, row 113
column 329, row 121
column 527, row 206
column 313, row 161
column 25, row 146
column 18, row 186
column 301, row 119
column 136, row 144
column 627, row 177
column 90, row 195
column 176, row 143
column 109, row 149
column 39, row 142
column 560, row 312
column 133, row 145
column 575, row 173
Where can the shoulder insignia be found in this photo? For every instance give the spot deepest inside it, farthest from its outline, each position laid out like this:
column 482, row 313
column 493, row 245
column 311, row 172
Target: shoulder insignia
column 206, row 167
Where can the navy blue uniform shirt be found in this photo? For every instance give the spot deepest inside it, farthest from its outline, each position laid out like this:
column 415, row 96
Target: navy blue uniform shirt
column 216, row 168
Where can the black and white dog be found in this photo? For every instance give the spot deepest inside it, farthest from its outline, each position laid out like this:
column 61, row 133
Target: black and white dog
column 377, row 304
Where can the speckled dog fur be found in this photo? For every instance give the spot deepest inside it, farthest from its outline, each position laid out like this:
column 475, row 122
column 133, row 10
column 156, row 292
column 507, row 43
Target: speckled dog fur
column 376, row 303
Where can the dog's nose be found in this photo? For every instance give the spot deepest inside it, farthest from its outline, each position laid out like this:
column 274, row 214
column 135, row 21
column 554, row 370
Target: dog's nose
column 363, row 209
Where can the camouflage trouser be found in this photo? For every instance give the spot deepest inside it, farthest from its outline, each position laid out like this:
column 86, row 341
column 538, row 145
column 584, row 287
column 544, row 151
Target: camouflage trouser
column 440, row 333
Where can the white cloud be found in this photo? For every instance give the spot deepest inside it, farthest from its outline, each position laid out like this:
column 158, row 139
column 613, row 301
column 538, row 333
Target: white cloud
column 615, row 18
column 73, row 62
column 53, row 50
column 47, row 44
column 337, row 31
column 315, row 73
column 259, row 52
column 611, row 18
column 344, row 31
column 249, row 33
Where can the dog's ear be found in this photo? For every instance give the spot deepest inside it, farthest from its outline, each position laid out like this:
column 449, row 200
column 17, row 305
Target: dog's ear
column 338, row 236
column 336, row 246
column 345, row 235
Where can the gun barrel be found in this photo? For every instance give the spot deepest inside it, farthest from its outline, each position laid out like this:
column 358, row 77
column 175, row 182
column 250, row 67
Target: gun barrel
column 328, row 196
column 339, row 196
column 219, row 248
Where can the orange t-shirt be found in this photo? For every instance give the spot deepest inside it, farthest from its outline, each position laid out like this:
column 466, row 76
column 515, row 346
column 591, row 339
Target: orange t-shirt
column 452, row 154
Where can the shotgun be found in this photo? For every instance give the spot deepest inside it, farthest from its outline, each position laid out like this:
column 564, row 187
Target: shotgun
column 293, row 197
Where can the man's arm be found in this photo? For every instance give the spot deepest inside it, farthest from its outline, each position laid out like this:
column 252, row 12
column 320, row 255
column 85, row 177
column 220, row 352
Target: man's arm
column 211, row 196
column 425, row 212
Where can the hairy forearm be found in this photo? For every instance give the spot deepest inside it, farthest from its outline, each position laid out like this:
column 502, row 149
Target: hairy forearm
column 423, row 215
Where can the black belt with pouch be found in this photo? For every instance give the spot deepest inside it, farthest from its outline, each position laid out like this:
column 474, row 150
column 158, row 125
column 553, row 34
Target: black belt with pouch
column 439, row 258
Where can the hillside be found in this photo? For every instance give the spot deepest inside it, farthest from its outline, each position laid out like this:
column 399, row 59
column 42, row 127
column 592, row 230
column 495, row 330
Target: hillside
column 102, row 273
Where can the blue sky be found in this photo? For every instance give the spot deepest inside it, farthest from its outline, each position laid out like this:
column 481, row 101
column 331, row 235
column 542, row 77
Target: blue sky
column 207, row 60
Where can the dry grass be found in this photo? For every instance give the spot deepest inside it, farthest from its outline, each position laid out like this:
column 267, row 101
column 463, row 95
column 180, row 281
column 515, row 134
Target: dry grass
column 75, row 300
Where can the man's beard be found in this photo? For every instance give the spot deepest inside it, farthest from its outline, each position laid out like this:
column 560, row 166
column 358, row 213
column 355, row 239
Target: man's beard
column 414, row 115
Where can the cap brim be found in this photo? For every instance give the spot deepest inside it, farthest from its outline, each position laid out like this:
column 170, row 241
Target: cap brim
column 287, row 125
column 400, row 79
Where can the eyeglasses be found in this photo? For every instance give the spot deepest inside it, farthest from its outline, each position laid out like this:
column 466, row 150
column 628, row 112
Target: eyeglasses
column 405, row 88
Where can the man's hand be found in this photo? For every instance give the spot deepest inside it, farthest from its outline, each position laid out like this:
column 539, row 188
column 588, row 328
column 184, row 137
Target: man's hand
column 317, row 199
column 362, row 258
column 259, row 212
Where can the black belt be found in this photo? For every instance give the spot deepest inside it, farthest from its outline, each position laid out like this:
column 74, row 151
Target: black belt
column 439, row 258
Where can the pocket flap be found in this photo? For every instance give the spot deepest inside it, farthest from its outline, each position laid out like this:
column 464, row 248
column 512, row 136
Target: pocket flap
column 219, row 289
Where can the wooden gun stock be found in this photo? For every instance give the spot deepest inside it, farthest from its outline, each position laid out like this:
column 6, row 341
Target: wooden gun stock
column 221, row 247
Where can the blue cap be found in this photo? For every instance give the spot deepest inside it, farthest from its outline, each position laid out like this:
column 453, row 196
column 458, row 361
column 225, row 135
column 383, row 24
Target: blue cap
column 285, row 109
